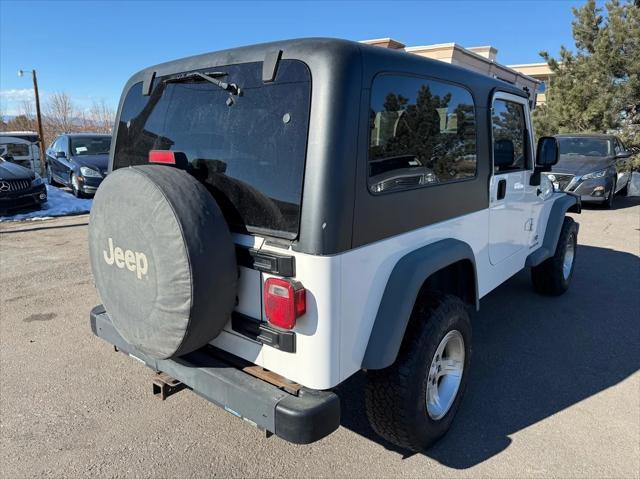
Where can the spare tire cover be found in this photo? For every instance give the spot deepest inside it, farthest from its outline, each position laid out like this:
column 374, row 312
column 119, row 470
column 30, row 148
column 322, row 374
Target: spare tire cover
column 163, row 259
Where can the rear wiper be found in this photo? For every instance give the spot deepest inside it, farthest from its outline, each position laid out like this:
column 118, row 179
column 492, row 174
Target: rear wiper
column 210, row 77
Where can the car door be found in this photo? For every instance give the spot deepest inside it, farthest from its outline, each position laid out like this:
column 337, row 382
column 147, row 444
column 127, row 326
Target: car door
column 63, row 163
column 510, row 220
column 51, row 158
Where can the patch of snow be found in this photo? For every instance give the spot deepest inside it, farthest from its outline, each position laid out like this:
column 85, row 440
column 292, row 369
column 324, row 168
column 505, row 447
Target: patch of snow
column 59, row 203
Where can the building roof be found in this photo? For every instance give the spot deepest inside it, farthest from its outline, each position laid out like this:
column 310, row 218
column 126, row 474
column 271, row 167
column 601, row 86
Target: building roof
column 480, row 59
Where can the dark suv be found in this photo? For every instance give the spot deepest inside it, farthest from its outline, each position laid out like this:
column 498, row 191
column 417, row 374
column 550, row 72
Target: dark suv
column 78, row 161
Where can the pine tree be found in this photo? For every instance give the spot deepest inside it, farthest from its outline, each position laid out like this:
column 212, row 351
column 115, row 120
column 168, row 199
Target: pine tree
column 597, row 87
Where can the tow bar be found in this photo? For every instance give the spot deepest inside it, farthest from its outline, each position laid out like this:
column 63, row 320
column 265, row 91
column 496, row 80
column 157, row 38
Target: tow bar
column 165, row 386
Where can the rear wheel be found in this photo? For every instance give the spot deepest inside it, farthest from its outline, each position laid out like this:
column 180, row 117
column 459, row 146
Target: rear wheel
column 413, row 402
column 553, row 276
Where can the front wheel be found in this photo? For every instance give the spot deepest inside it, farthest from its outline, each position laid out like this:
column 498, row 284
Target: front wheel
column 624, row 191
column 608, row 204
column 75, row 186
column 413, row 402
column 50, row 179
column 553, row 276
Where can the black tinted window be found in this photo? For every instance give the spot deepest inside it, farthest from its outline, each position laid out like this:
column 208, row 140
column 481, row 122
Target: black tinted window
column 249, row 150
column 509, row 136
column 422, row 132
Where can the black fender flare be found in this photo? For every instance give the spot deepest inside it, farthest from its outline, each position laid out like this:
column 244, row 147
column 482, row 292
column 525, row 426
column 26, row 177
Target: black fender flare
column 566, row 202
column 398, row 299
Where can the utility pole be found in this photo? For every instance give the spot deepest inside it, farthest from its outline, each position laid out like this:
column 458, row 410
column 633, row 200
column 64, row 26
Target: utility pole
column 38, row 120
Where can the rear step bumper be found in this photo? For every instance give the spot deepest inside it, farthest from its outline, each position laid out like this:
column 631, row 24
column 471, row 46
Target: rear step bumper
column 301, row 419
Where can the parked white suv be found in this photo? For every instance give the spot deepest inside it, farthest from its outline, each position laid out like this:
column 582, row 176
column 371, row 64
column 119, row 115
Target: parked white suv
column 281, row 216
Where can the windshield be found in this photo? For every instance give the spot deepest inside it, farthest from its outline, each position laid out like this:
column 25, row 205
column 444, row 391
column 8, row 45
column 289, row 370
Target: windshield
column 90, row 145
column 248, row 149
column 14, row 149
column 585, row 146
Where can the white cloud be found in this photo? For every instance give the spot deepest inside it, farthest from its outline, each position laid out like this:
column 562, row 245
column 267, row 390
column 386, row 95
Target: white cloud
column 16, row 94
column 11, row 100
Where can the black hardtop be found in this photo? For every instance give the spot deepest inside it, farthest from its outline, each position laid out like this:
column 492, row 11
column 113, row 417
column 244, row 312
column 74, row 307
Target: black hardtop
column 338, row 212
column 332, row 53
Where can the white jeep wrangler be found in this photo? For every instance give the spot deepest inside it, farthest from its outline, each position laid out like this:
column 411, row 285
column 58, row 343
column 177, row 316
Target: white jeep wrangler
column 281, row 216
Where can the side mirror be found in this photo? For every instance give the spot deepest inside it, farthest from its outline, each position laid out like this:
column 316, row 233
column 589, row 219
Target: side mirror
column 61, row 154
column 623, row 155
column 547, row 155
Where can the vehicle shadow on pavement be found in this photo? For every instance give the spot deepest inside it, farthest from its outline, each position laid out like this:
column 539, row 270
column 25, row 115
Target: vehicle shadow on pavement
column 534, row 356
column 621, row 203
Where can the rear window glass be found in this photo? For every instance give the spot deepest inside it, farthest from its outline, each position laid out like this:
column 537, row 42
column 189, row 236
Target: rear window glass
column 248, row 149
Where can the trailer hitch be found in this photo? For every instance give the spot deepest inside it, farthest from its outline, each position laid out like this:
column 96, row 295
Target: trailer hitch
column 165, row 386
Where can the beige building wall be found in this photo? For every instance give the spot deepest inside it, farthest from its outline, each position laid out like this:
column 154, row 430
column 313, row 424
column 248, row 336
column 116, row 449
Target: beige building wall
column 481, row 59
column 539, row 71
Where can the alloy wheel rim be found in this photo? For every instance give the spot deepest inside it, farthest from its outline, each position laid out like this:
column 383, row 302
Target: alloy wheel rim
column 74, row 182
column 569, row 255
column 445, row 375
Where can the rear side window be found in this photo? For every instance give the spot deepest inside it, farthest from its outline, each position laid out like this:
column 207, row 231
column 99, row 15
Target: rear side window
column 509, row 137
column 422, row 133
column 249, row 150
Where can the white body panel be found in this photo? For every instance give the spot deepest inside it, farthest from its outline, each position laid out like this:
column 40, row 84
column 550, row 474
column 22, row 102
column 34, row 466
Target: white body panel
column 344, row 291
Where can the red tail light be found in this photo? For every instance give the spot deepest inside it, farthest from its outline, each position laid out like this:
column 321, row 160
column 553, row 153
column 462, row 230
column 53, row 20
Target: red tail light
column 162, row 156
column 284, row 302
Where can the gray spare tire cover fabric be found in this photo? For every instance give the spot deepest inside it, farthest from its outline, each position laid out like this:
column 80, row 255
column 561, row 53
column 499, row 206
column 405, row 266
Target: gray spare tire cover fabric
column 163, row 259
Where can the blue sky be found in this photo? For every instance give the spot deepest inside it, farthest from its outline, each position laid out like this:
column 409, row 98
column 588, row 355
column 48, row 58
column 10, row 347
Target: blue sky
column 88, row 49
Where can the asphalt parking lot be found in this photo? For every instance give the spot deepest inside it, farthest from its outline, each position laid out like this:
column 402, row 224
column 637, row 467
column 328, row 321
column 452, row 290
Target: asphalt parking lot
column 554, row 391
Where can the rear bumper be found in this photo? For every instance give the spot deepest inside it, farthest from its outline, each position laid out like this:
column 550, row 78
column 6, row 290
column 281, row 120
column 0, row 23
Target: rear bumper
column 301, row 419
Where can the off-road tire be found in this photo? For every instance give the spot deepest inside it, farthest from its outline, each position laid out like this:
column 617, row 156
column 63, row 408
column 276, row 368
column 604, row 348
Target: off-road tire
column 548, row 277
column 396, row 396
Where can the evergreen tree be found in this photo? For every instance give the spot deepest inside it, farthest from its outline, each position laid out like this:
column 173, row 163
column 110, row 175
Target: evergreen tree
column 597, row 87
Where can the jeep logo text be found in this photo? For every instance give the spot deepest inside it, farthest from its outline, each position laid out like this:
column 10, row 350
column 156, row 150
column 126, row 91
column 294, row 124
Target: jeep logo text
column 134, row 261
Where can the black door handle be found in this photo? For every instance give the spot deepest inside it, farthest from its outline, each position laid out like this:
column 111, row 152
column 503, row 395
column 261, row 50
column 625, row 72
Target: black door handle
column 502, row 189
